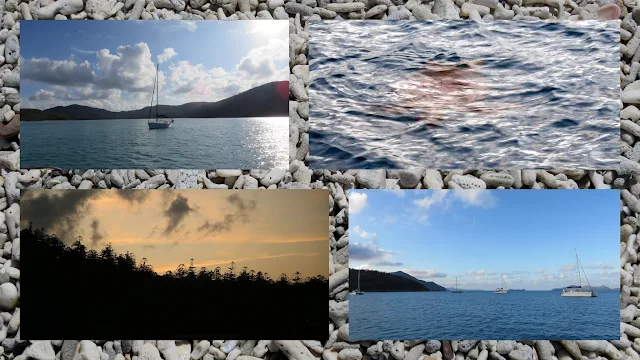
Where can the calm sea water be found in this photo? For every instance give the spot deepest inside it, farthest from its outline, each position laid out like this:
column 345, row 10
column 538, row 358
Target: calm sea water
column 546, row 96
column 247, row 143
column 518, row 315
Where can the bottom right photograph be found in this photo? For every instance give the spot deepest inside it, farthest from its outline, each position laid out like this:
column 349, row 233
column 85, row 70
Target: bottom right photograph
column 484, row 264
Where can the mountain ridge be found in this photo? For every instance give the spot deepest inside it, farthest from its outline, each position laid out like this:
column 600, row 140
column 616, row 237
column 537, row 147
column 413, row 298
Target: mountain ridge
column 267, row 100
column 428, row 284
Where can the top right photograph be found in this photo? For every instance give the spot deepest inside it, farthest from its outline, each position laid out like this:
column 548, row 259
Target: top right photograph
column 464, row 95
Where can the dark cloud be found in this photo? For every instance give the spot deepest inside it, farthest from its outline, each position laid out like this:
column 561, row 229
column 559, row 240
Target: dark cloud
column 148, row 246
column 56, row 211
column 178, row 209
column 241, row 212
column 57, row 72
column 96, row 234
column 59, row 211
column 129, row 69
column 133, row 195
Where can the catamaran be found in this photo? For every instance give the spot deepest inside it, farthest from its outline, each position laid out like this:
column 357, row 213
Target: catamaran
column 503, row 289
column 455, row 290
column 358, row 291
column 160, row 121
column 579, row 291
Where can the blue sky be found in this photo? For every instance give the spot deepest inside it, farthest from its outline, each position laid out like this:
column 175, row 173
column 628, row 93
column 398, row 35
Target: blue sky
column 111, row 65
column 529, row 236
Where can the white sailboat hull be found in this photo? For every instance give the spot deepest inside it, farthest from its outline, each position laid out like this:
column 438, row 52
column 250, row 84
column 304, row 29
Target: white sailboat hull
column 579, row 293
column 501, row 292
column 159, row 125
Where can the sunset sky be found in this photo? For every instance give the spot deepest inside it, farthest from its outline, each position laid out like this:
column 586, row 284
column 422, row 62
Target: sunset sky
column 273, row 231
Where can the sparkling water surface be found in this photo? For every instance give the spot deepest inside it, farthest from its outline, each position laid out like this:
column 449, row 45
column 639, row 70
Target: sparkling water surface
column 242, row 143
column 518, row 315
column 546, row 95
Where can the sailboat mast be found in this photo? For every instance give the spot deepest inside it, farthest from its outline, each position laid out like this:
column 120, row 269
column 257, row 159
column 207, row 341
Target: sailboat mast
column 158, row 92
column 153, row 93
column 578, row 268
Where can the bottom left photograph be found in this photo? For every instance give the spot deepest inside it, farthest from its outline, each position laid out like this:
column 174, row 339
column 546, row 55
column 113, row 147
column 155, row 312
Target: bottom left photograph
column 176, row 264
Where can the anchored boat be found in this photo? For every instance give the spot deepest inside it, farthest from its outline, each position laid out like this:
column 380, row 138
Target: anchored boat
column 579, row 291
column 455, row 290
column 503, row 289
column 358, row 291
column 160, row 121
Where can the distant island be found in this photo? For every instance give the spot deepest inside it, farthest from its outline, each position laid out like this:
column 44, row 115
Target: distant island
column 266, row 100
column 378, row 281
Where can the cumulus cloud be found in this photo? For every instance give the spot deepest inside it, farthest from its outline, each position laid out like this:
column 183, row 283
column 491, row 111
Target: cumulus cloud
column 118, row 80
column 368, row 251
column 357, row 202
column 167, row 54
column 541, row 271
column 57, row 72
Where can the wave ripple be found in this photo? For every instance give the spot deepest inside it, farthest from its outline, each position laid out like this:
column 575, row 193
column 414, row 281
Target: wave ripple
column 464, row 95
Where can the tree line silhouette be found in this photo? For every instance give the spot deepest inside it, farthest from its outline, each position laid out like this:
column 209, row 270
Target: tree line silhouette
column 102, row 292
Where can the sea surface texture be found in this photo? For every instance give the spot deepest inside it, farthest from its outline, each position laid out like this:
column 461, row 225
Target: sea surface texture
column 247, row 143
column 515, row 94
column 518, row 315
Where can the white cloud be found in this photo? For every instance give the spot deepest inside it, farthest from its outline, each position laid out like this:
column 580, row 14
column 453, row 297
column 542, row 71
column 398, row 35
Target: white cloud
column 541, row 271
column 476, row 197
column 397, row 192
column 357, row 202
column 479, row 272
column 131, row 70
column 190, row 25
column 390, row 219
column 571, row 267
column 363, row 234
column 425, row 274
column 436, row 197
column 167, row 54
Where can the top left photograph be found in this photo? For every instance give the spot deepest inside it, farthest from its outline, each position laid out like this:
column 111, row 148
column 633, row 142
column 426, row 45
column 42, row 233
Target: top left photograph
column 154, row 94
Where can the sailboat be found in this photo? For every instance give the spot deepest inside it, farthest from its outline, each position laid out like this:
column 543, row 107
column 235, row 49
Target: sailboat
column 579, row 291
column 358, row 291
column 503, row 289
column 161, row 121
column 456, row 288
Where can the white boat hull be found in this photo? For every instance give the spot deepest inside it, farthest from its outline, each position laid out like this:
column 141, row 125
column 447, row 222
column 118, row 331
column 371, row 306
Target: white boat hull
column 501, row 292
column 159, row 125
column 580, row 294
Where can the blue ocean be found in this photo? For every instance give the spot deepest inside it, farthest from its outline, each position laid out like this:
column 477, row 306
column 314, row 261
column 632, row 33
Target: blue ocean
column 245, row 143
column 518, row 315
column 464, row 94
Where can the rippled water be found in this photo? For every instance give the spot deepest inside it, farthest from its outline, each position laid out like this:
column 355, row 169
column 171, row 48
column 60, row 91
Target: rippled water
column 247, row 143
column 526, row 94
column 518, row 315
